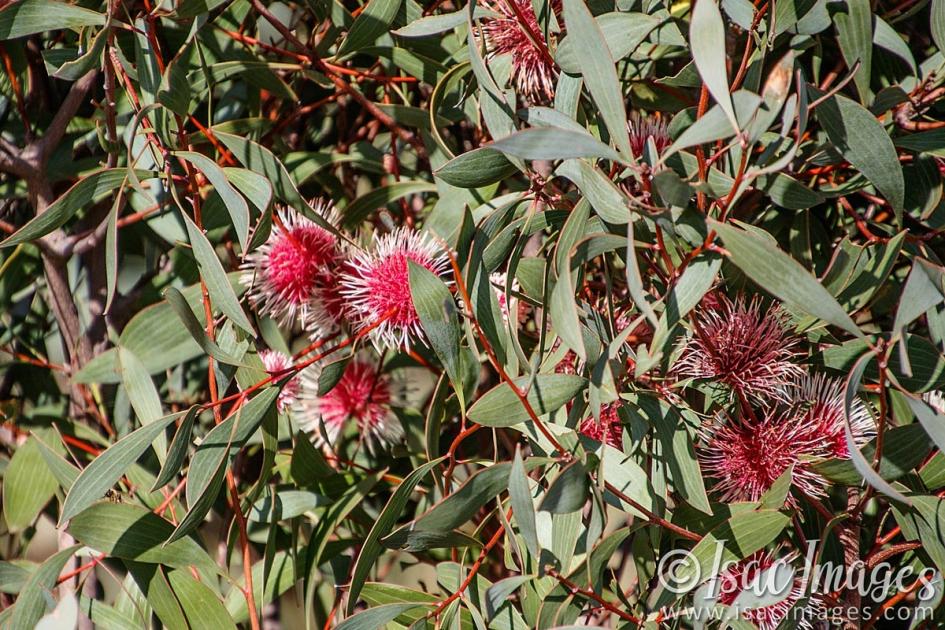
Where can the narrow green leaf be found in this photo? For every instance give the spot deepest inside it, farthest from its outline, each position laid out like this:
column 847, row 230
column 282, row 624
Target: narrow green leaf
column 707, row 40
column 599, row 72
column 500, row 407
column 131, row 532
column 854, row 23
column 179, row 303
column 86, row 191
column 379, row 616
column 476, row 168
column 371, row 547
column 551, row 143
column 864, row 142
column 212, row 272
column 437, row 312
column 28, row 485
column 568, row 491
column 37, row 590
column 232, row 199
column 106, row 469
column 783, row 276
column 178, row 450
column 362, row 207
column 523, row 508
column 38, row 16
column 370, row 24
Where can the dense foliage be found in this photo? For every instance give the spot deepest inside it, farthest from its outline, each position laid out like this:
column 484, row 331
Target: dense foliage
column 325, row 313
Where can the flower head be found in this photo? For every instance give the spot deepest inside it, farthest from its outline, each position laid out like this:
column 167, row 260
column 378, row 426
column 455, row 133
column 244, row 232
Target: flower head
column 609, row 428
column 746, row 457
column 533, row 71
column 377, row 286
column 744, row 346
column 758, row 574
column 820, row 403
column 293, row 273
column 276, row 362
column 641, row 128
column 363, row 395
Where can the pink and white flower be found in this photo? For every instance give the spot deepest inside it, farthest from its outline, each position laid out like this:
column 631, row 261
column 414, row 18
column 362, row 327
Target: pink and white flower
column 377, row 286
column 276, row 363
column 608, row 429
column 292, row 275
column 762, row 575
column 744, row 346
column 643, row 128
column 746, row 457
column 364, row 395
column 533, row 72
column 820, row 403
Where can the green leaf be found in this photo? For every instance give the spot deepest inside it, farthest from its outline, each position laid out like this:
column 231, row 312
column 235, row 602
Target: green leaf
column 142, row 393
column 523, row 508
column 550, row 143
column 86, row 191
column 568, row 491
column 28, row 485
column 854, row 23
column 476, row 168
column 232, row 199
column 782, row 276
column 859, row 462
column 179, row 303
column 931, row 421
column 370, row 24
column 279, row 579
column 737, row 538
column 106, row 469
column 864, row 142
column 200, row 604
column 379, row 616
column 437, row 313
column 371, row 547
column 178, row 451
column 623, row 32
column 131, row 532
column 362, row 207
column 938, row 23
column 212, row 273
column 500, row 407
column 37, row 16
column 254, row 186
column 707, row 40
column 37, row 590
column 599, row 72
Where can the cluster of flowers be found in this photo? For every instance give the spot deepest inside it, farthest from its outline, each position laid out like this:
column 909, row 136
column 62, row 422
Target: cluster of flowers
column 309, row 275
column 785, row 417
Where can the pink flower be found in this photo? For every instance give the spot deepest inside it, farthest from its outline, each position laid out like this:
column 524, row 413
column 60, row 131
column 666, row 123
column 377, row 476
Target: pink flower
column 377, row 286
column 294, row 272
column 745, row 347
column 363, row 395
column 533, row 72
column 276, row 362
column 499, row 282
column 642, row 128
column 746, row 457
column 758, row 574
column 610, row 428
column 820, row 404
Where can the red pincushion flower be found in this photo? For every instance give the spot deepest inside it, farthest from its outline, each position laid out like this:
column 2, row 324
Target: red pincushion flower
column 276, row 362
column 377, row 286
column 363, row 395
column 758, row 574
column 533, row 73
column 820, row 402
column 293, row 272
column 745, row 347
column 642, row 128
column 746, row 457
column 609, row 428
